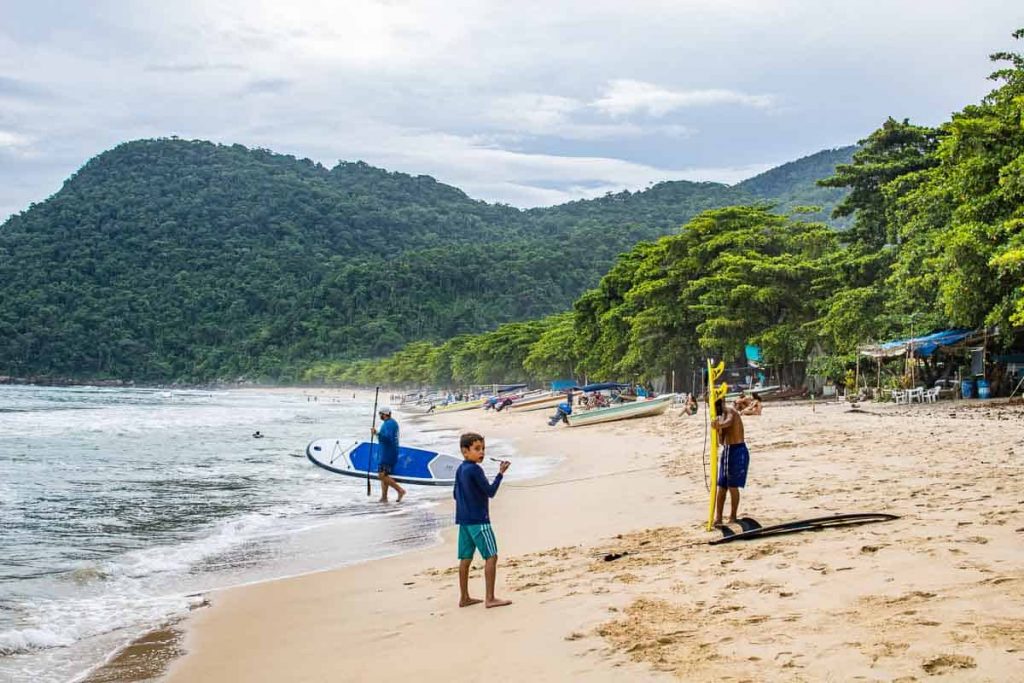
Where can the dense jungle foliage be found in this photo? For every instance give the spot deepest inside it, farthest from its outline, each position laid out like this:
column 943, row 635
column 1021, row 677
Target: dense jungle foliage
column 934, row 239
column 172, row 260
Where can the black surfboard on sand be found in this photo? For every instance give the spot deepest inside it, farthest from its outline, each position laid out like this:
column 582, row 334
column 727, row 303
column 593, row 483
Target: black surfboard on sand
column 750, row 529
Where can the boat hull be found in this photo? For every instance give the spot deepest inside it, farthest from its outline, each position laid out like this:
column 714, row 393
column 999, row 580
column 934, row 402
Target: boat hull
column 538, row 403
column 463, row 405
column 623, row 411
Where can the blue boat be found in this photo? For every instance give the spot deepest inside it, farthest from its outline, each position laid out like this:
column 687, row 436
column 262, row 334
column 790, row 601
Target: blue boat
column 415, row 465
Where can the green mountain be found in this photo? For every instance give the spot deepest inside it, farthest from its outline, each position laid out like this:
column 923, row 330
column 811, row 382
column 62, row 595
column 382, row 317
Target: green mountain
column 793, row 184
column 184, row 260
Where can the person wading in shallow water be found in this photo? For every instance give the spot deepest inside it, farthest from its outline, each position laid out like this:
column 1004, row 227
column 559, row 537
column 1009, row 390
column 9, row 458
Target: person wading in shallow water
column 734, row 461
column 387, row 435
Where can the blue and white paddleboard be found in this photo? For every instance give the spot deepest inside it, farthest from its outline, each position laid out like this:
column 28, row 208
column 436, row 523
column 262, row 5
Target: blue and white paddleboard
column 415, row 466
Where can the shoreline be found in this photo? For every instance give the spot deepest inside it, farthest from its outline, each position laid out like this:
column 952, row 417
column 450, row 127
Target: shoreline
column 933, row 592
column 148, row 654
column 88, row 608
column 414, row 574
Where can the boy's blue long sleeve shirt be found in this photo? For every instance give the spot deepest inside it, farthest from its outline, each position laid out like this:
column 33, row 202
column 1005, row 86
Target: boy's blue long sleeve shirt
column 387, row 436
column 472, row 493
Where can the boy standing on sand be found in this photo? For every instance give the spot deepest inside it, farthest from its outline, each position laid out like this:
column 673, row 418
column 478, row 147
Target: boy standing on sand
column 472, row 514
column 732, row 468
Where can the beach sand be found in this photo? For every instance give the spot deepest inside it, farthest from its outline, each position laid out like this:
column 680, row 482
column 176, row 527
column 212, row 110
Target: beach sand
column 939, row 591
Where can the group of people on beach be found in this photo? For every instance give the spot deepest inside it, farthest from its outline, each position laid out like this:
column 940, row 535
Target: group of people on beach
column 472, row 491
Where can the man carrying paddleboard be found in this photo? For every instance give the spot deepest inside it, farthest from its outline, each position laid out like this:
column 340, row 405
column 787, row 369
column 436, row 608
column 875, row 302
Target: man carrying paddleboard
column 387, row 436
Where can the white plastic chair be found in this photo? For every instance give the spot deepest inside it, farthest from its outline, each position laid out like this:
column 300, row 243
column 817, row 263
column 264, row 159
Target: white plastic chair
column 932, row 395
column 898, row 396
column 915, row 394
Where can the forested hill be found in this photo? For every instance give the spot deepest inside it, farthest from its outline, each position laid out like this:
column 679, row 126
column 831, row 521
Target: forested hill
column 184, row 260
column 794, row 184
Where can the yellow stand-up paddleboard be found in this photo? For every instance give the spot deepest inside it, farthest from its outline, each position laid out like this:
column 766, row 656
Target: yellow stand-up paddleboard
column 715, row 392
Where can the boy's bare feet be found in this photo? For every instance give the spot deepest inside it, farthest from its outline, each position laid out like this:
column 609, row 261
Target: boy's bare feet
column 400, row 497
column 497, row 603
column 717, row 523
column 383, row 500
column 466, row 602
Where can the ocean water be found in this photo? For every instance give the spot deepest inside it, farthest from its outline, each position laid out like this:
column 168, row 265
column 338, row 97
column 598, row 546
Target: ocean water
column 119, row 506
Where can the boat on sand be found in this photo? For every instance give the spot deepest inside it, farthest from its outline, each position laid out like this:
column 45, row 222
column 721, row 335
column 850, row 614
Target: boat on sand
column 548, row 400
column 621, row 411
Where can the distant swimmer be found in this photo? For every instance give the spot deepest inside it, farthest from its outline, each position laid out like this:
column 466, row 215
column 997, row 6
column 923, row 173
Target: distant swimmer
column 257, row 435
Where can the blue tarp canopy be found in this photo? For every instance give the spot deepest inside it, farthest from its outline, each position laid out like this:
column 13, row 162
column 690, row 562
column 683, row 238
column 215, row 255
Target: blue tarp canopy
column 602, row 386
column 922, row 346
column 562, row 384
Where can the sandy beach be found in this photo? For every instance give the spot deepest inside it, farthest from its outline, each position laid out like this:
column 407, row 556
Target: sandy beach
column 939, row 591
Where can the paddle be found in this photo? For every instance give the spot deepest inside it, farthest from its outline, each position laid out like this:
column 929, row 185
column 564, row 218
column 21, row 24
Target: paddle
column 373, row 435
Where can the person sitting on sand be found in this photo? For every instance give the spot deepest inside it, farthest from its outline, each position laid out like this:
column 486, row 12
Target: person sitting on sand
column 472, row 493
column 504, row 403
column 741, row 402
column 753, row 407
column 734, row 461
column 691, row 405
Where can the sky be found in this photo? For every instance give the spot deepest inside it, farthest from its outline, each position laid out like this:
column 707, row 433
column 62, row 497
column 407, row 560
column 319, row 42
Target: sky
column 526, row 103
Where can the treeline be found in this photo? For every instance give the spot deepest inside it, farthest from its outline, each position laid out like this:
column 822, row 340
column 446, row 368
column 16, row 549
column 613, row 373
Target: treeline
column 935, row 240
column 172, row 260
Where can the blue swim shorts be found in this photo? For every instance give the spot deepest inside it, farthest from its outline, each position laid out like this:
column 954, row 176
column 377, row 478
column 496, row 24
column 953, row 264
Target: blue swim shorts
column 477, row 537
column 733, row 464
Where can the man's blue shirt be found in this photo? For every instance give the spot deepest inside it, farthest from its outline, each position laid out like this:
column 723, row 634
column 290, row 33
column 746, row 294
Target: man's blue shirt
column 387, row 435
column 472, row 491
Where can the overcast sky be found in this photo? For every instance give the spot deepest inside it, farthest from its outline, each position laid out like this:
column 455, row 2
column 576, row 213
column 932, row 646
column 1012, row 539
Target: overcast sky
column 528, row 103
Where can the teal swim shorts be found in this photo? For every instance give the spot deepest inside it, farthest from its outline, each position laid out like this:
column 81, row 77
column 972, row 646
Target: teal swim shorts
column 477, row 537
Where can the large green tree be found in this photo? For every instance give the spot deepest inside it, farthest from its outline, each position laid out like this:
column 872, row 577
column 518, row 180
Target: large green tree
column 961, row 222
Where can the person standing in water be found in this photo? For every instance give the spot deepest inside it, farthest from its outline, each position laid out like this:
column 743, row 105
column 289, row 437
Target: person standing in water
column 734, row 462
column 387, row 435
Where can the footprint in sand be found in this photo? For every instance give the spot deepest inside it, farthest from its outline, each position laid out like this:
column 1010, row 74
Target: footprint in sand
column 946, row 663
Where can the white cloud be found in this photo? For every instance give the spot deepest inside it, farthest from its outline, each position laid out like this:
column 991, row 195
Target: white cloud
column 567, row 118
column 624, row 96
column 13, row 140
column 486, row 171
